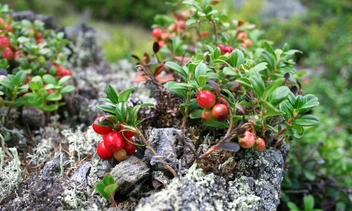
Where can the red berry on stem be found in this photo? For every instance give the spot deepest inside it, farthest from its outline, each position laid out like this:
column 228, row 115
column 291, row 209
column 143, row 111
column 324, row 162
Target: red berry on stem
column 205, row 99
column 120, row 155
column 156, row 32
column 4, row 42
column 248, row 140
column 220, row 112
column 103, row 152
column 114, row 141
column 8, row 54
column 100, row 129
column 130, row 148
column 259, row 145
column 206, row 115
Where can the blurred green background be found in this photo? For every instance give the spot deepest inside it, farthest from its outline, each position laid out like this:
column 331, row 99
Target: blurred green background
column 320, row 163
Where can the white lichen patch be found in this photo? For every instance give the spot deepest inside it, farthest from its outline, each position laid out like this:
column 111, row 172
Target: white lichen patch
column 10, row 173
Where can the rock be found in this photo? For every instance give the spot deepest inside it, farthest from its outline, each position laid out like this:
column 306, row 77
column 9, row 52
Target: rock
column 129, row 173
column 167, row 144
column 32, row 116
column 55, row 167
column 80, row 175
column 48, row 20
column 255, row 186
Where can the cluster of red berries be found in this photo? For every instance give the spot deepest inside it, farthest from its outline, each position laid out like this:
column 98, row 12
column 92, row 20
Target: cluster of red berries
column 245, row 41
column 249, row 140
column 225, row 48
column 211, row 108
column 116, row 143
column 162, row 36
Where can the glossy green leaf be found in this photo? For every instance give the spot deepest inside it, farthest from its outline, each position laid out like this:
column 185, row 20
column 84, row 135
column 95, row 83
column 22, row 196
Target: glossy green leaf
column 107, row 108
column 272, row 86
column 124, row 95
column 177, row 68
column 214, row 123
column 309, row 102
column 112, row 95
column 49, row 79
column 278, row 95
column 202, row 80
column 7, row 84
column 21, row 77
column 270, row 110
column 67, row 89
column 236, row 58
column 269, row 59
column 196, row 114
column 245, row 82
column 121, row 111
column 108, row 179
column 176, row 88
column 110, row 189
column 309, row 200
column 230, row 72
column 201, row 69
column 53, row 97
column 258, row 85
column 63, row 80
column 99, row 187
column 50, row 108
column 49, row 86
column 306, row 120
column 36, row 83
column 293, row 207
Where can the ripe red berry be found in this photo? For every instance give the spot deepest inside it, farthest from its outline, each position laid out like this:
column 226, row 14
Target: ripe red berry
column 38, row 34
column 181, row 24
column 242, row 35
column 120, row 155
column 206, row 115
column 220, row 112
column 103, row 152
column 4, row 42
column 228, row 49
column 248, row 140
column 205, row 99
column 66, row 72
column 99, row 128
column 130, row 148
column 156, row 32
column 127, row 134
column 114, row 141
column 8, row 54
column 247, row 43
column 259, row 145
column 221, row 47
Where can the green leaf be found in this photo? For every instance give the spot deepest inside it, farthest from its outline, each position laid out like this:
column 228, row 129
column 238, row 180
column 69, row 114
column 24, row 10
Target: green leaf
column 36, row 83
column 270, row 49
column 306, row 120
column 293, row 207
column 309, row 175
column 53, row 97
column 245, row 82
column 270, row 110
column 63, row 80
column 216, row 53
column 177, row 68
column 202, row 80
column 7, row 84
column 176, row 88
column 278, row 95
column 273, row 86
column 307, row 103
column 49, row 79
column 107, row 108
column 108, row 179
column 124, row 95
column 121, row 111
column 99, row 187
column 67, row 89
column 110, row 189
column 308, row 202
column 214, row 123
column 49, row 86
column 196, row 114
column 259, row 67
column 21, row 77
column 236, row 58
column 49, row 108
column 269, row 59
column 201, row 70
column 230, row 72
column 287, row 108
column 112, row 95
column 258, row 85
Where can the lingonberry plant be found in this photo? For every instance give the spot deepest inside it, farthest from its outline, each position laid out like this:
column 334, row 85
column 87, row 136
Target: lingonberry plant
column 33, row 58
column 228, row 77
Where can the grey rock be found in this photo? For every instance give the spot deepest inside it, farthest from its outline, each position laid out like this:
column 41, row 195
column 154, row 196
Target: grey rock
column 80, row 175
column 168, row 145
column 32, row 116
column 55, row 166
column 255, row 186
column 129, row 173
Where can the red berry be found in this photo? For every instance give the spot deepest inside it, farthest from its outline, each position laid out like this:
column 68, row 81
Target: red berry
column 103, row 152
column 156, row 32
column 4, row 42
column 220, row 112
column 67, row 72
column 259, row 145
column 221, row 47
column 8, row 54
column 130, row 148
column 8, row 28
column 161, row 43
column 127, row 134
column 181, row 24
column 242, row 35
column 99, row 128
column 205, row 99
column 114, row 141
column 248, row 140
column 39, row 40
column 38, row 34
column 247, row 43
column 228, row 49
column 206, row 115
column 120, row 155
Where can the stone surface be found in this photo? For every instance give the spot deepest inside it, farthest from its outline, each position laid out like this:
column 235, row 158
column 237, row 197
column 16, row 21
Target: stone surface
column 80, row 175
column 55, row 167
column 255, row 186
column 129, row 173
